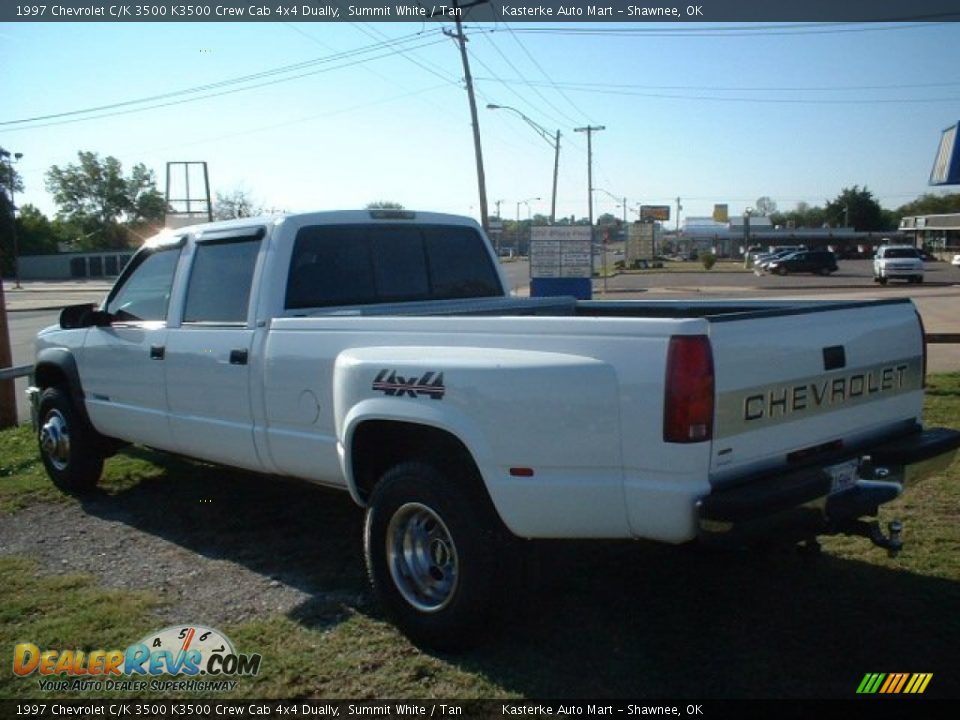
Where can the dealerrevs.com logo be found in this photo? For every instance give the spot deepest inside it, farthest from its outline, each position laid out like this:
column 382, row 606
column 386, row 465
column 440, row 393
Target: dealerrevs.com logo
column 193, row 651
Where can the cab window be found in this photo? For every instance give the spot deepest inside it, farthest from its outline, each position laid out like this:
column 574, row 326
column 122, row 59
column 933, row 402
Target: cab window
column 220, row 281
column 144, row 293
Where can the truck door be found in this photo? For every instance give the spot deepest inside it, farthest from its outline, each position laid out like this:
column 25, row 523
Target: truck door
column 208, row 352
column 122, row 365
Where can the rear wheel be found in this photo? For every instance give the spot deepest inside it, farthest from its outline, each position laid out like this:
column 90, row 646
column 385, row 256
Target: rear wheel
column 68, row 446
column 882, row 280
column 429, row 548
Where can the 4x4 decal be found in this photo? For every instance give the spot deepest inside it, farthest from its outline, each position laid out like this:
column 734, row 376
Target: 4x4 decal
column 393, row 385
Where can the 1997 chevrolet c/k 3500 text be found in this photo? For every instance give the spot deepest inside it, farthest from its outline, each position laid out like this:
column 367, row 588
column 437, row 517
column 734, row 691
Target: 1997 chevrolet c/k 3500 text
column 378, row 351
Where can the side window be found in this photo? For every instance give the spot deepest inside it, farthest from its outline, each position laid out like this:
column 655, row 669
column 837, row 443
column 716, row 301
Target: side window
column 145, row 292
column 220, row 281
column 330, row 266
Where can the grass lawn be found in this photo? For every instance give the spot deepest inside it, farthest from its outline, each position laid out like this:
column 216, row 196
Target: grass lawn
column 602, row 619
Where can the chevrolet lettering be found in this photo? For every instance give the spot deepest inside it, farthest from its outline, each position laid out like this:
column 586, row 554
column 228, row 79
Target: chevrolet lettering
column 380, row 352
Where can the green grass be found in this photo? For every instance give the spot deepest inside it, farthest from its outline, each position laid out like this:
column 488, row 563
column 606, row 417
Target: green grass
column 599, row 619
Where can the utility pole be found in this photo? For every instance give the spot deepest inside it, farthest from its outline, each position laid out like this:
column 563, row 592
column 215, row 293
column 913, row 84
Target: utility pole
column 679, row 208
column 468, row 79
column 556, row 168
column 8, row 402
column 589, row 130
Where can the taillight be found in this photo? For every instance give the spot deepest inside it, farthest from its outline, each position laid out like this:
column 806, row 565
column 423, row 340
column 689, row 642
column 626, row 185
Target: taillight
column 688, row 397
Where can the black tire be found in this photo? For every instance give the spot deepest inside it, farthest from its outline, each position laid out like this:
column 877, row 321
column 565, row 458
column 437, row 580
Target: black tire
column 882, row 280
column 919, row 279
column 781, row 271
column 442, row 601
column 824, row 271
column 68, row 445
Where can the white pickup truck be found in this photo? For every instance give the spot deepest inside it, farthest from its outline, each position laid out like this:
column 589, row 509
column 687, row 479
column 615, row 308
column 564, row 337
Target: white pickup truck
column 897, row 262
column 379, row 352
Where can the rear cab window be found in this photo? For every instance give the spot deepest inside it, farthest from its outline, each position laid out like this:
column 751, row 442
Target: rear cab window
column 340, row 265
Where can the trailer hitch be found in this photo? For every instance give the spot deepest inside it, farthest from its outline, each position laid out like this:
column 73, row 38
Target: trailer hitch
column 871, row 530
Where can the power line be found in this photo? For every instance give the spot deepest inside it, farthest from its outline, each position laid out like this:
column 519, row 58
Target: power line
column 738, row 30
column 489, row 39
column 213, row 95
column 345, row 55
column 544, row 73
column 599, row 89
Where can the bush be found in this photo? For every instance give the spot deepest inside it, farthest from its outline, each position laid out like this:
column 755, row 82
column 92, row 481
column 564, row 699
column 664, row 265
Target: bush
column 708, row 260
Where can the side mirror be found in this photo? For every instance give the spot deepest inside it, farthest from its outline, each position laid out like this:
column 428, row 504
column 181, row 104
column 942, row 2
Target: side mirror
column 85, row 315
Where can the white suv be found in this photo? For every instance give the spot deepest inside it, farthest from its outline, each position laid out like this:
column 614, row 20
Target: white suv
column 901, row 262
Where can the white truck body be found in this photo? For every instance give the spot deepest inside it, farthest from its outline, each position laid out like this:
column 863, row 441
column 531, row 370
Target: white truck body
column 571, row 414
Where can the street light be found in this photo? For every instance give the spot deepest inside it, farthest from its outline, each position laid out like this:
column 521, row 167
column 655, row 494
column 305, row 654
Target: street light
column 552, row 141
column 13, row 214
column 519, row 203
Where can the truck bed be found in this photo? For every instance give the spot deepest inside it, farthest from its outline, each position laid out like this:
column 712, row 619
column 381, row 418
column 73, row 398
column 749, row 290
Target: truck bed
column 711, row 310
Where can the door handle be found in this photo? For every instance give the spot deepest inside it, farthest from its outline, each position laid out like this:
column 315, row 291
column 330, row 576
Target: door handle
column 238, row 357
column 157, row 352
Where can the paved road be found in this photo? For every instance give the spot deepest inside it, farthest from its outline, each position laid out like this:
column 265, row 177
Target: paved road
column 23, row 329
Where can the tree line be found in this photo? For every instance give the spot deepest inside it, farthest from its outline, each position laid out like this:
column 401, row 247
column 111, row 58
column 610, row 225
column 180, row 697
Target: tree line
column 100, row 207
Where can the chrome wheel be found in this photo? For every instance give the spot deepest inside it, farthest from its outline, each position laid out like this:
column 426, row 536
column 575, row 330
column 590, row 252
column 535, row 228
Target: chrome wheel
column 422, row 557
column 55, row 440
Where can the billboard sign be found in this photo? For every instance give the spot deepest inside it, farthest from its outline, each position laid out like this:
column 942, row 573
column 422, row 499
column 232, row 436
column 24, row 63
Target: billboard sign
column 946, row 166
column 721, row 213
column 655, row 212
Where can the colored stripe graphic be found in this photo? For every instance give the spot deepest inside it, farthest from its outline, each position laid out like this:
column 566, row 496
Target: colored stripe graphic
column 894, row 683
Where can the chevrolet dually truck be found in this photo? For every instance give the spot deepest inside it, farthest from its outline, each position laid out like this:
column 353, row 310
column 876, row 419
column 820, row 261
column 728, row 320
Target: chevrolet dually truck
column 380, row 352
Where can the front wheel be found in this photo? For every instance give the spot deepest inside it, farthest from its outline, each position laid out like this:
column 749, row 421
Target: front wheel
column 429, row 552
column 68, row 446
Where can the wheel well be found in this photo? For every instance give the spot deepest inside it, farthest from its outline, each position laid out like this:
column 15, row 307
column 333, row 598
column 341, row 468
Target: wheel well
column 47, row 375
column 378, row 445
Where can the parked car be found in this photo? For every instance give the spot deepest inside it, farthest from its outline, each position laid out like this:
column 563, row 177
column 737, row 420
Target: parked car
column 956, row 260
column 819, row 262
column 765, row 263
column 898, row 262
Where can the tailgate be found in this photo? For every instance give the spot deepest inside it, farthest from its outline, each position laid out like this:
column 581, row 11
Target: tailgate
column 792, row 385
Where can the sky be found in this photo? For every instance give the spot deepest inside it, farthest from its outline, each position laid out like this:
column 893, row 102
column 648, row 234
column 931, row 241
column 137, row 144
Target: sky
column 709, row 113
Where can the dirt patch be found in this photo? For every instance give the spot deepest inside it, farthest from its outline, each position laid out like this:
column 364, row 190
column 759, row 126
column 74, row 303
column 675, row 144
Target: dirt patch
column 223, row 550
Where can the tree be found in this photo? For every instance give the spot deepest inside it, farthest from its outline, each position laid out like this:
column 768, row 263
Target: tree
column 237, row 203
column 384, row 205
column 9, row 177
column 930, row 204
column 98, row 200
column 765, row 206
column 855, row 207
column 36, row 234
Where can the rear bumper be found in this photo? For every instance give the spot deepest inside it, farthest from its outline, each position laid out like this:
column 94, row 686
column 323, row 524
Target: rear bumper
column 819, row 500
column 900, row 272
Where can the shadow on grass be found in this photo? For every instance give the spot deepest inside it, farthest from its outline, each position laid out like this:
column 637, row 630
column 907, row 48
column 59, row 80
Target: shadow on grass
column 616, row 620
